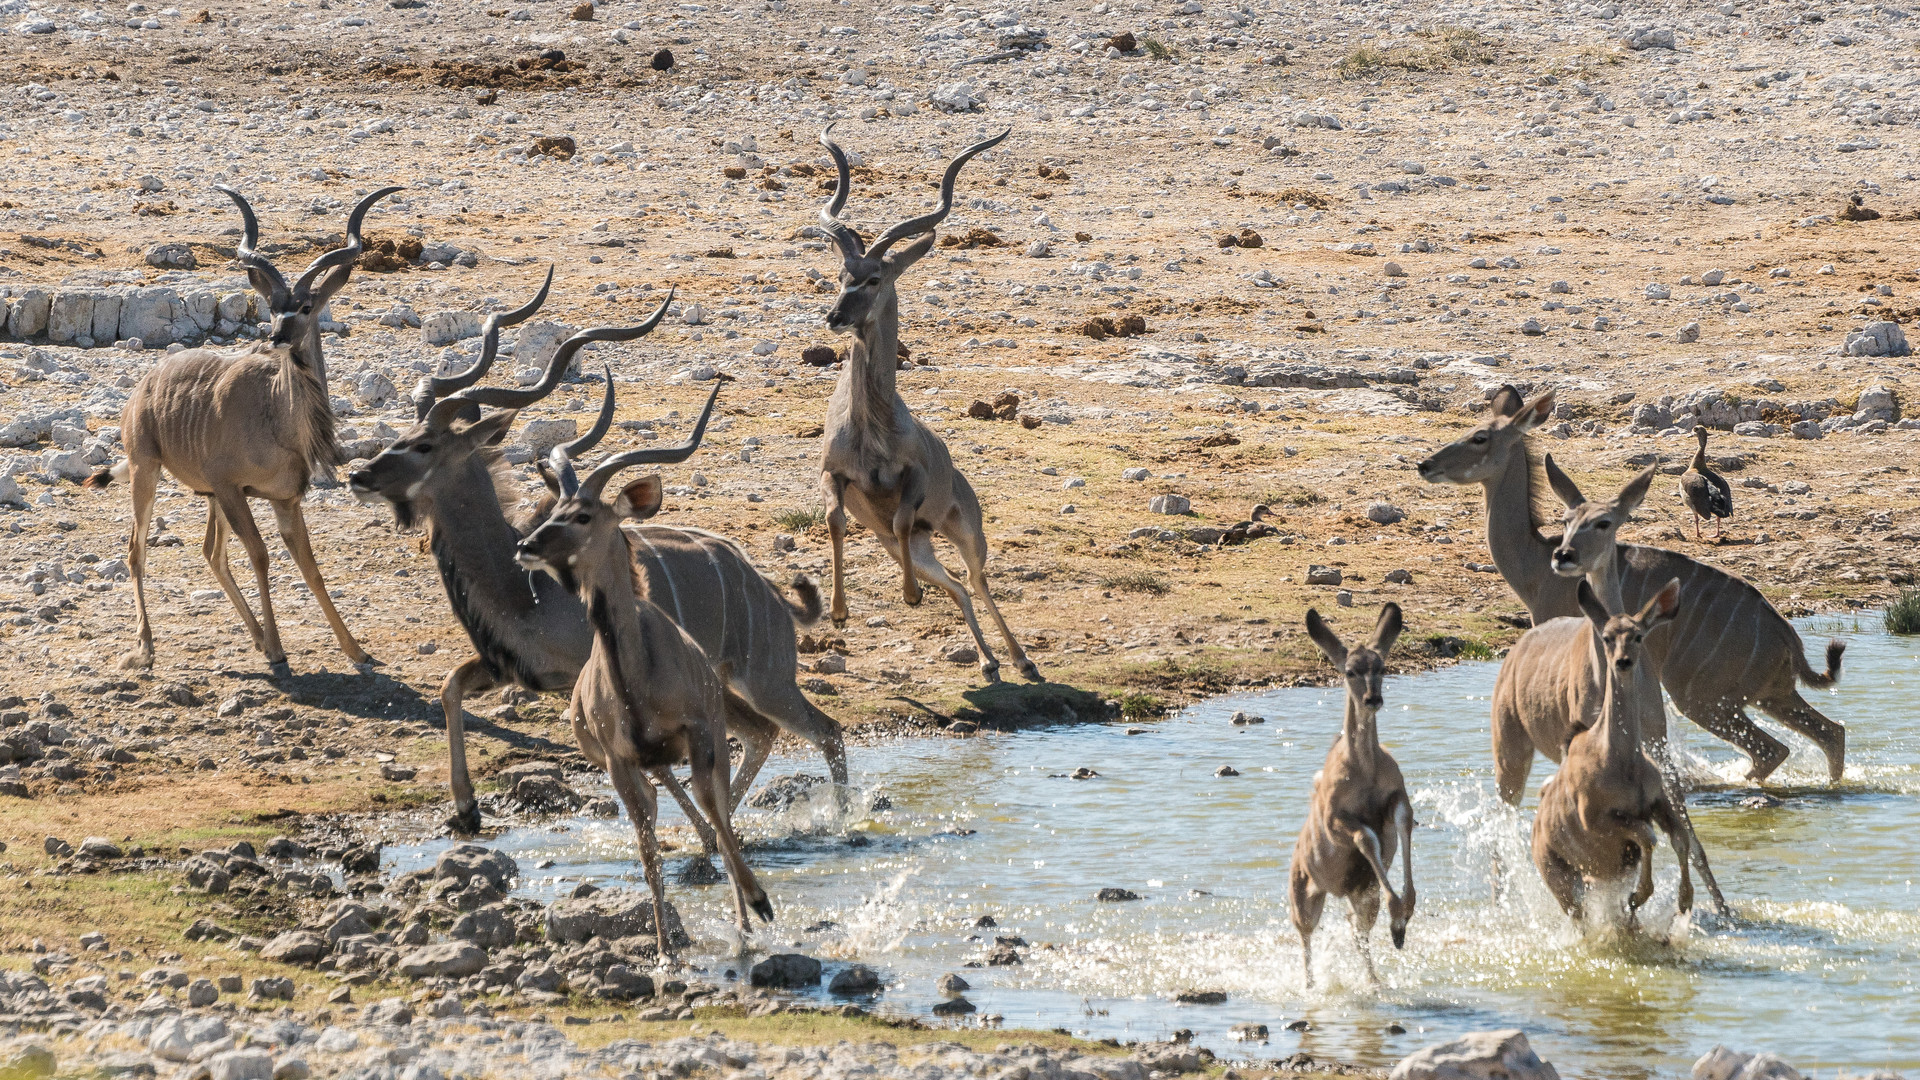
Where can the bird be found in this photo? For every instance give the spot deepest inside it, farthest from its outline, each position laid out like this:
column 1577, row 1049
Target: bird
column 1707, row 493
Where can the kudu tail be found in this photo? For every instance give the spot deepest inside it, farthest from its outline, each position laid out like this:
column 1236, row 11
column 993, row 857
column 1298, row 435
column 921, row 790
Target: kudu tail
column 1818, row 679
column 807, row 611
column 100, row 480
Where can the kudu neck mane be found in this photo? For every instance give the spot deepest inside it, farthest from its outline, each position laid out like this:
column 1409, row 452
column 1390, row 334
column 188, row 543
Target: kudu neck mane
column 473, row 548
column 873, row 359
column 308, row 410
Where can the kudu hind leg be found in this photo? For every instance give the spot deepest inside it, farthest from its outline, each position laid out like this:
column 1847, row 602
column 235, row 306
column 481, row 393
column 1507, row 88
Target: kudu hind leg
column 1363, row 910
column 970, row 540
column 929, row 568
column 1305, row 903
column 469, row 678
column 293, row 529
column 1729, row 722
column 1829, row 735
column 906, row 511
column 756, row 734
column 240, row 520
column 145, row 481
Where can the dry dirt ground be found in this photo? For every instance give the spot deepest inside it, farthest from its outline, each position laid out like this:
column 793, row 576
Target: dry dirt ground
column 1422, row 179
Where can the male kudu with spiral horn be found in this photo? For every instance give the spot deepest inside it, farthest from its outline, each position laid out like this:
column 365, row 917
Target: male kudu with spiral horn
column 239, row 424
column 526, row 629
column 877, row 459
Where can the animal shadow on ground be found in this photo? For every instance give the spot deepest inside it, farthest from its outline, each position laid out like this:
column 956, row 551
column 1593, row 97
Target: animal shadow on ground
column 374, row 696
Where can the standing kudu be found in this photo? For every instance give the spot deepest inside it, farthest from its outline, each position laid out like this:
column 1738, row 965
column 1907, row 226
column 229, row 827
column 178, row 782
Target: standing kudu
column 1359, row 811
column 525, row 629
column 647, row 696
column 1597, row 814
column 876, row 458
column 239, row 424
column 1554, row 681
column 1729, row 649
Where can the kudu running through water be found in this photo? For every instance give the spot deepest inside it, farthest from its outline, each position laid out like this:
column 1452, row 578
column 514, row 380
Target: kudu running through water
column 525, row 628
column 647, row 696
column 1728, row 650
column 1553, row 683
column 877, row 459
column 237, row 424
column 1597, row 814
column 1359, row 813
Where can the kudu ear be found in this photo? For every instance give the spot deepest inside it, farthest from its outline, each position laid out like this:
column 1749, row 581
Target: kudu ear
column 641, row 499
column 910, row 254
column 1590, row 604
column 1507, row 401
column 1535, row 414
column 1563, row 485
column 1329, row 642
column 549, row 478
column 1635, row 492
column 1662, row 608
column 489, row 429
column 1387, row 629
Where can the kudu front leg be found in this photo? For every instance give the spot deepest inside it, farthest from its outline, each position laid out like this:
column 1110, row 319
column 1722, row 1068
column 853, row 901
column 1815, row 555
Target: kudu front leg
column 906, row 511
column 1673, row 821
column 1365, row 839
column 240, row 520
column 293, row 529
column 837, row 535
column 641, row 807
column 469, row 678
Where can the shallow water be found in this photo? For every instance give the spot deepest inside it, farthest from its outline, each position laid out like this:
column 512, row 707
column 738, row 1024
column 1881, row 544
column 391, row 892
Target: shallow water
column 1819, row 963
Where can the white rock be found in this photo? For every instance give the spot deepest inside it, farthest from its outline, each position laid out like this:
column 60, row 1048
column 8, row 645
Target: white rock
column 447, row 327
column 1393, row 269
column 373, row 390
column 1172, row 505
column 1479, row 1055
column 1877, row 339
column 544, row 435
column 240, row 1065
column 954, row 97
column 536, row 343
column 1647, row 37
column 1688, row 334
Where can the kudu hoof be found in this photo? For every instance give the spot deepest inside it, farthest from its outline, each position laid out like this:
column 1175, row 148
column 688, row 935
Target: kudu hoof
column 991, row 673
column 280, row 669
column 465, row 822
column 763, row 907
column 1030, row 671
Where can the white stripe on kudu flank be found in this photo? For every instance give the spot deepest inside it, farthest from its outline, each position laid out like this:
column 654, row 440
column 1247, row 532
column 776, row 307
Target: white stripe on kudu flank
column 673, row 591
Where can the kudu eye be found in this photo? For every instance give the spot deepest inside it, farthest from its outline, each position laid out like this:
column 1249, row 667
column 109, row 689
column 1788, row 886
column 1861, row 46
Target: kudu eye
column 421, row 448
column 1479, row 437
column 583, row 518
column 875, row 280
column 1603, row 524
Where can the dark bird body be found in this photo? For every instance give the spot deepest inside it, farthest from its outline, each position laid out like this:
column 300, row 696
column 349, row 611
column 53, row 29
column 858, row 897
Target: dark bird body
column 1707, row 493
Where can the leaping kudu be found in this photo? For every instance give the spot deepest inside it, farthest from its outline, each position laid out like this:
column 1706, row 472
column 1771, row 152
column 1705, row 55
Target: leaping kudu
column 238, row 424
column 524, row 627
column 1729, row 649
column 1553, row 683
column 647, row 696
column 1359, row 813
column 1597, row 814
column 876, row 458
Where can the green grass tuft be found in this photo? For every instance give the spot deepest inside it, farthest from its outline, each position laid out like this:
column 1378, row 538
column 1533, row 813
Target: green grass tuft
column 1904, row 616
column 1141, row 707
column 799, row 521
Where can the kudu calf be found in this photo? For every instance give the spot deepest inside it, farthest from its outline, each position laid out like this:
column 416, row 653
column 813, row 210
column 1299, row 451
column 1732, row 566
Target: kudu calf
column 524, row 627
column 1359, row 812
column 1596, row 819
column 1729, row 650
column 647, row 696
column 876, row 458
column 239, row 424
column 1553, row 682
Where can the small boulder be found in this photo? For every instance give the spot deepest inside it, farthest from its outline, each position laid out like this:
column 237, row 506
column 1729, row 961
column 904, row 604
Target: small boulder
column 295, row 947
column 240, row 1065
column 172, row 256
column 783, row 791
column 388, row 1011
column 1385, row 513
column 1112, row 895
column 613, row 914
column 462, row 862
column 1479, row 1055
column 28, row 1062
column 202, row 992
column 1323, row 575
column 1877, row 339
column 1171, row 505
column 854, row 980
column 785, row 971
column 99, row 847
column 453, row 959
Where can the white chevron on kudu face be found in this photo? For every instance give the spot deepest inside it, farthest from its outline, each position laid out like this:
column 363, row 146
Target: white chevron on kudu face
column 1730, row 649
